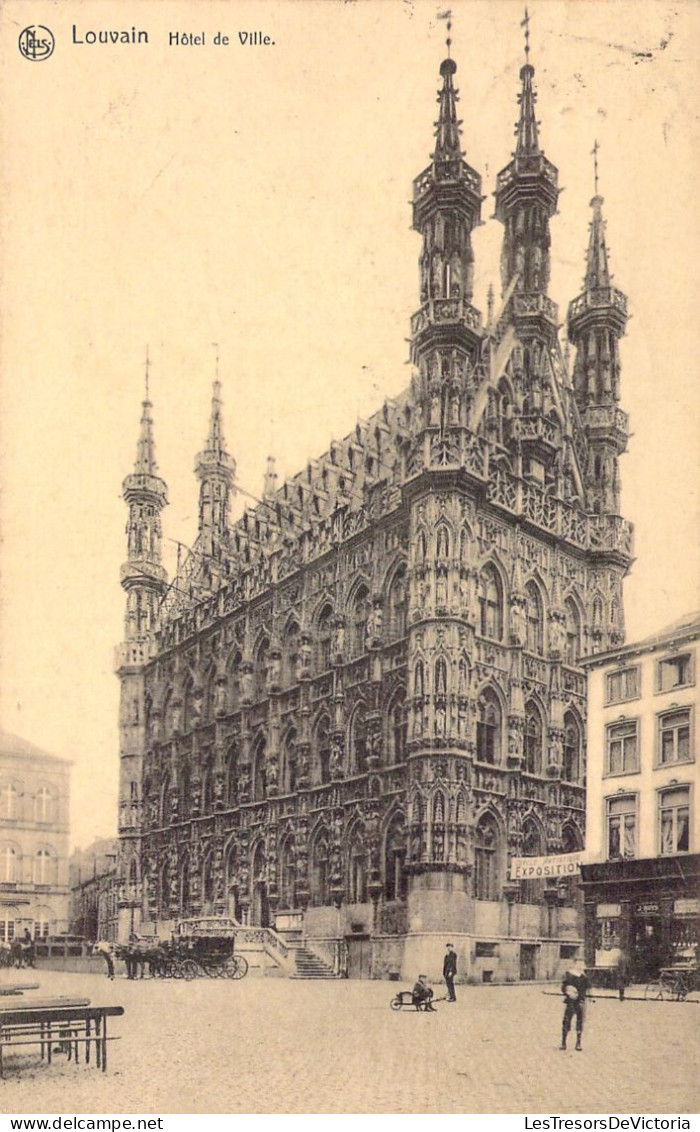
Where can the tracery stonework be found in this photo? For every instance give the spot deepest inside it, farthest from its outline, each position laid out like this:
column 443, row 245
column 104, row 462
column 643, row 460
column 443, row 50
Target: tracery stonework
column 364, row 693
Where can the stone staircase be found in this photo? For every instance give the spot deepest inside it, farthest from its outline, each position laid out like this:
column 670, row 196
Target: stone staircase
column 310, row 966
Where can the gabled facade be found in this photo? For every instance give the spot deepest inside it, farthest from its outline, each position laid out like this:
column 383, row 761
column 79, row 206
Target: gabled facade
column 356, row 702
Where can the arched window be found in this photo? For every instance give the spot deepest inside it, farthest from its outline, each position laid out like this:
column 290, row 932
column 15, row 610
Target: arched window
column 207, row 789
column 8, row 865
column 164, row 801
column 533, row 606
column 259, row 770
column 571, row 840
column 260, row 669
column 185, row 794
column 287, row 874
column 491, row 604
column 188, row 715
column 358, row 623
column 573, row 632
column 488, row 728
column 8, row 802
column 320, row 870
column 208, row 879
column 487, row 851
column 288, row 776
column 397, row 604
column 184, row 872
column 290, row 655
column 531, row 890
column 232, row 880
column 357, row 741
column 357, row 869
column 44, row 867
column 232, row 775
column 398, row 728
column 322, row 747
column 572, row 769
column 234, row 682
column 168, row 714
column 324, row 639
column 533, row 740
column 395, row 880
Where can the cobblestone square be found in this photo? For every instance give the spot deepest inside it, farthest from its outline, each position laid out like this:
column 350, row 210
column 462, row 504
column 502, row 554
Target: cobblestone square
column 293, row 1046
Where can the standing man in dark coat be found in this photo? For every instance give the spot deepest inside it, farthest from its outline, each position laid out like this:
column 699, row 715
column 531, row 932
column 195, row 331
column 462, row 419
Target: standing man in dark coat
column 574, row 987
column 449, row 972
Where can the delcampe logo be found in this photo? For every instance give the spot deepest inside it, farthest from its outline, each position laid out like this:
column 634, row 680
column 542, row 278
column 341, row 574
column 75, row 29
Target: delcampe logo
column 36, row 43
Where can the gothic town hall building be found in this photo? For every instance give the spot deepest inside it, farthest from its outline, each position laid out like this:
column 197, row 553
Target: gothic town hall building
column 355, row 703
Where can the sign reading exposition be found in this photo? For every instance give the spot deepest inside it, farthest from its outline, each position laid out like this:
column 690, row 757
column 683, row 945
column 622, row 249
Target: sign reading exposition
column 541, row 868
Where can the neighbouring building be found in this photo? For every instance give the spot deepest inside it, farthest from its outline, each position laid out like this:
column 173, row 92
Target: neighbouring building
column 355, row 702
column 34, row 832
column 642, row 881
column 94, row 890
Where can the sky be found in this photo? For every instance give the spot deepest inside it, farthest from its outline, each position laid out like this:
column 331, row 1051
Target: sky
column 172, row 197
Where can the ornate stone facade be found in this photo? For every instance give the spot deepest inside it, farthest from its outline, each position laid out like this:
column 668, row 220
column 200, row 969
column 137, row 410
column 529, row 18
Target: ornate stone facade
column 356, row 702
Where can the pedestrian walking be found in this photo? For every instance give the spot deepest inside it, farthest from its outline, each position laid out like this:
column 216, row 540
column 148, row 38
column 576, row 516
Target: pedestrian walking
column 29, row 949
column 623, row 974
column 449, row 972
column 104, row 948
column 574, row 987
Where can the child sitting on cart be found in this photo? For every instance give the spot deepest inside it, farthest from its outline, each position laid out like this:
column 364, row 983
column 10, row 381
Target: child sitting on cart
column 422, row 994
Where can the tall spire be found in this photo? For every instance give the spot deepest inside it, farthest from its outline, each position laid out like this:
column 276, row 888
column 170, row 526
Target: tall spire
column 448, row 146
column 528, row 141
column 446, row 208
column 597, row 272
column 527, row 126
column 526, row 199
column 596, row 322
column 215, row 469
column 145, row 463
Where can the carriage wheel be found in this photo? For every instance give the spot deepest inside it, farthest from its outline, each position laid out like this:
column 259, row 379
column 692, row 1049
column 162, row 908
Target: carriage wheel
column 654, row 992
column 237, row 967
column 395, row 1003
column 189, row 969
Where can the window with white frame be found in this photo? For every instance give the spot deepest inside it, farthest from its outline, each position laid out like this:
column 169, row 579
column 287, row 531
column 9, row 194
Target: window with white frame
column 674, row 821
column 674, row 672
column 8, row 865
column 7, row 930
column 674, row 737
column 622, row 826
column 43, row 805
column 622, row 685
column 622, row 747
column 43, row 867
column 8, row 801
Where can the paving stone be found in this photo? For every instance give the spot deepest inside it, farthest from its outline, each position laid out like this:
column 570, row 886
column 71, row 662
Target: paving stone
column 294, row 1046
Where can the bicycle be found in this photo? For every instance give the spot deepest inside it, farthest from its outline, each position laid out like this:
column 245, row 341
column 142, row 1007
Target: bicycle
column 672, row 985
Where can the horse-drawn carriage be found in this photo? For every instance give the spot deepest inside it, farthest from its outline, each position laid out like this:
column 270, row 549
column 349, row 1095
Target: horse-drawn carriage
column 205, row 946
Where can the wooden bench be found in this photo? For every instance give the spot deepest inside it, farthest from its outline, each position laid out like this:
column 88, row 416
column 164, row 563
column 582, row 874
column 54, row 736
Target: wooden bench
column 18, row 988
column 68, row 1023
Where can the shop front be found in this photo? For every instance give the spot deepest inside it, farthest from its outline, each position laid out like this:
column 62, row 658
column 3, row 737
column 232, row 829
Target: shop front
column 643, row 914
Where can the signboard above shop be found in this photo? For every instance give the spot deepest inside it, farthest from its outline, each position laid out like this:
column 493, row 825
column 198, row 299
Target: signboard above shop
column 546, row 868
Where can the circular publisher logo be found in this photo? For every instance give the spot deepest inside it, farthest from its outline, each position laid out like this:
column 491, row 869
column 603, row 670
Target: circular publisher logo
column 36, row 43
